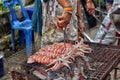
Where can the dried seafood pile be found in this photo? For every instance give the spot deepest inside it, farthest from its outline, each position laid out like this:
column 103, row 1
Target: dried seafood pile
column 61, row 55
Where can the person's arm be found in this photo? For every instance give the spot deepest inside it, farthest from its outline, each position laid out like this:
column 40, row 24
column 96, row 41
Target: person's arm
column 65, row 18
column 64, row 3
column 80, row 16
column 79, row 10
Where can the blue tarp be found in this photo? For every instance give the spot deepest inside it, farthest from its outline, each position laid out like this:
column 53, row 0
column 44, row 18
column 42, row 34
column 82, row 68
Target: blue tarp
column 37, row 17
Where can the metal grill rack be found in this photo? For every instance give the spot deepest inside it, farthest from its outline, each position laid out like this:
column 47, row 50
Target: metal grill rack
column 103, row 59
column 107, row 57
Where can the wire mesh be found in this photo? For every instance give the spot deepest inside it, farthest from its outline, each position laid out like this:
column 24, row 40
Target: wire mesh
column 103, row 59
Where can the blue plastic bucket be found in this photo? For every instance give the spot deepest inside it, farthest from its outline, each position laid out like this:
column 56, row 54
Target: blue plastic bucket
column 1, row 65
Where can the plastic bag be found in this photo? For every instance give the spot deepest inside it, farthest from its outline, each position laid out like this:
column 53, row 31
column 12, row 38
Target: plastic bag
column 106, row 35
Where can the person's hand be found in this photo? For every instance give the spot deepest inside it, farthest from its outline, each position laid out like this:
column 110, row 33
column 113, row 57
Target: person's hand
column 90, row 7
column 108, row 7
column 60, row 27
column 63, row 20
